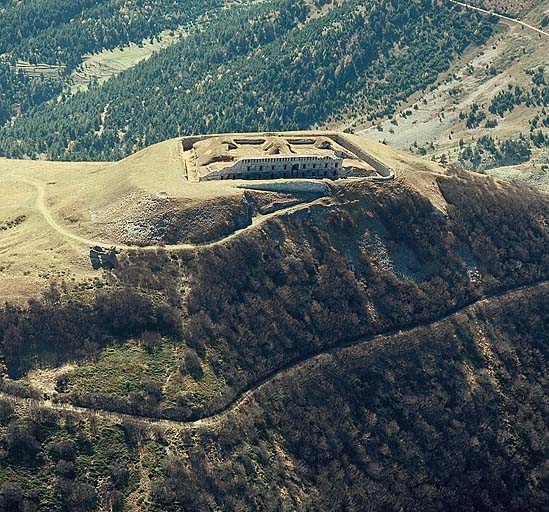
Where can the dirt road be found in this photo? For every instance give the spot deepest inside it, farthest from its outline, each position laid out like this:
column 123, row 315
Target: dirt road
column 501, row 17
column 41, row 206
column 277, row 376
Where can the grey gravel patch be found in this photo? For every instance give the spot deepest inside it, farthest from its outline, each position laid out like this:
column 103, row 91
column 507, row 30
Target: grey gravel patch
column 396, row 257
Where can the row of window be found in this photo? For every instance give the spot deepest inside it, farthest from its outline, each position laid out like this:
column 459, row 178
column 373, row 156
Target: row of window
column 284, row 159
column 296, row 166
column 300, row 174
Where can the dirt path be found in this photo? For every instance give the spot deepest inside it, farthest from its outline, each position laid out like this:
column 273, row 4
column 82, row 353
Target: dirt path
column 41, row 206
column 501, row 16
column 277, row 376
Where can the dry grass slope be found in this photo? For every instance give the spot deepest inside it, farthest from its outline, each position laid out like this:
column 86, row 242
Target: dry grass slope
column 55, row 210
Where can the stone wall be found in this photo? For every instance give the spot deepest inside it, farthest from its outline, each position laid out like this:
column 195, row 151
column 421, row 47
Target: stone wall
column 291, row 187
column 383, row 170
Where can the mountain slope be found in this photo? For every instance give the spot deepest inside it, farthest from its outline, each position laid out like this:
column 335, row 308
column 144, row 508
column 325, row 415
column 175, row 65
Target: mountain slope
column 43, row 42
column 383, row 347
column 271, row 66
column 489, row 112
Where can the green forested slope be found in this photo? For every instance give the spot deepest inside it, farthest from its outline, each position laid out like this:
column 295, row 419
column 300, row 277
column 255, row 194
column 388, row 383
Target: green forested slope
column 62, row 32
column 19, row 92
column 266, row 67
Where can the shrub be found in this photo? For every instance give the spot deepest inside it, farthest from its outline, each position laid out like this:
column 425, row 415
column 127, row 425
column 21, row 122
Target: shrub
column 193, row 364
column 21, row 443
column 78, row 496
column 65, row 468
column 151, row 340
column 64, row 449
column 6, row 411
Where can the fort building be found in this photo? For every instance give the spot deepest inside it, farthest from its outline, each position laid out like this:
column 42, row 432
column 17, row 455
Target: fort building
column 298, row 166
column 271, row 156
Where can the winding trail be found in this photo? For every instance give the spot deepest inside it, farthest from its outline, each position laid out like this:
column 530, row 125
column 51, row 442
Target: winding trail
column 41, row 206
column 276, row 376
column 501, row 16
column 246, row 394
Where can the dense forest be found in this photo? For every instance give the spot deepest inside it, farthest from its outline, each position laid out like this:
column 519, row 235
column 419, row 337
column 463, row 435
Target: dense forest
column 19, row 92
column 450, row 416
column 417, row 421
column 53, row 32
column 62, row 31
column 263, row 67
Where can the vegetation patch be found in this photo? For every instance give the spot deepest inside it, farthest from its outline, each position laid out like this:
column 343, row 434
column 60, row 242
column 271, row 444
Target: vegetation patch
column 197, row 391
column 54, row 463
column 136, row 375
column 124, row 367
column 488, row 153
column 12, row 223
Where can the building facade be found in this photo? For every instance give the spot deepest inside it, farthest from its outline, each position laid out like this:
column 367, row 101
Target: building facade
column 276, row 166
